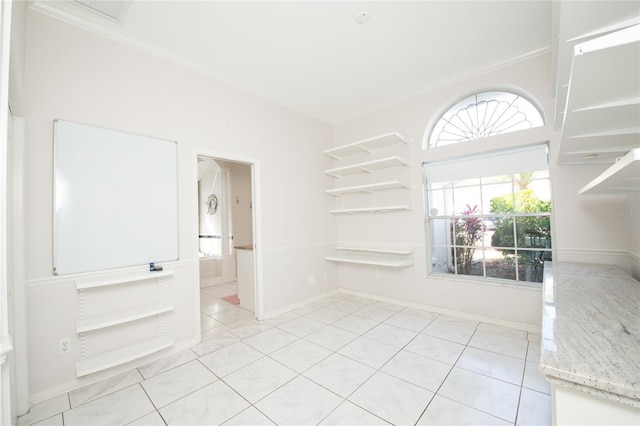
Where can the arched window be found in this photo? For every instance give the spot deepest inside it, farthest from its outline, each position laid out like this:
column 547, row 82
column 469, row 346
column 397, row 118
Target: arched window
column 484, row 114
column 488, row 212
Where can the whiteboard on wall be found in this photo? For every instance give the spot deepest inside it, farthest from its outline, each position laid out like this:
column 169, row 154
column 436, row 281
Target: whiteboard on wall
column 115, row 199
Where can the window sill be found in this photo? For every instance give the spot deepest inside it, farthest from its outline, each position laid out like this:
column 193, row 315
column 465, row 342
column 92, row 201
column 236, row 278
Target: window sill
column 523, row 285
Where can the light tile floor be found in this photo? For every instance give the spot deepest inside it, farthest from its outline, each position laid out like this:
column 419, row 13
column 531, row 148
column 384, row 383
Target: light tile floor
column 344, row 360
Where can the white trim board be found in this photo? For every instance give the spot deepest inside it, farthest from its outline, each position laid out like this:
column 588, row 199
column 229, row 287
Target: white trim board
column 481, row 318
column 111, row 372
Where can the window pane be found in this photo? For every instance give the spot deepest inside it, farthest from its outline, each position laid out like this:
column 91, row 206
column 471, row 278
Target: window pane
column 467, row 200
column 502, row 236
column 497, row 198
column 440, row 231
column 440, row 202
column 500, row 266
column 541, row 189
column 531, row 266
column 441, row 259
column 469, row 261
column 533, row 232
column 531, row 196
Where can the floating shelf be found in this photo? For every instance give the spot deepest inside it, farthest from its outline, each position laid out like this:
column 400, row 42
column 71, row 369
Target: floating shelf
column 623, row 176
column 122, row 356
column 366, row 188
column 124, row 280
column 394, row 181
column 366, row 145
column 368, row 250
column 367, row 166
column 121, row 317
column 381, row 209
column 601, row 115
column 376, row 257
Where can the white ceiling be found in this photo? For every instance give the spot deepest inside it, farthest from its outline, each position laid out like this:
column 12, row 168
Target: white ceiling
column 313, row 57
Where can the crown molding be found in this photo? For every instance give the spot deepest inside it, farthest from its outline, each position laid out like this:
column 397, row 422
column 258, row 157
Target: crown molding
column 111, row 30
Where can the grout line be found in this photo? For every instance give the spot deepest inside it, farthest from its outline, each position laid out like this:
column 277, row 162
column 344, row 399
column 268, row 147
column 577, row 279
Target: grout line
column 331, row 353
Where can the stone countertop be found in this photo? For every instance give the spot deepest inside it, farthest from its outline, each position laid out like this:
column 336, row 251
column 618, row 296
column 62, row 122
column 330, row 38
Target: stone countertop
column 247, row 247
column 591, row 330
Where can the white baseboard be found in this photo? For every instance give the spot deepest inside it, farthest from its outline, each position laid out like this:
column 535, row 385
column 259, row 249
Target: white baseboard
column 299, row 304
column 489, row 320
column 97, row 377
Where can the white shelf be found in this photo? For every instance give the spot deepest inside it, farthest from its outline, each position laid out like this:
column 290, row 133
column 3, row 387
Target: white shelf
column 367, row 166
column 380, row 209
column 122, row 356
column 393, row 182
column 623, row 176
column 366, row 188
column 124, row 280
column 366, row 145
column 367, row 250
column 121, row 317
column 374, row 257
column 601, row 115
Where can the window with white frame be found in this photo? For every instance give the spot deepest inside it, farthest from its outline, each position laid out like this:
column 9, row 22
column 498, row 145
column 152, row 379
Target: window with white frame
column 488, row 215
column 484, row 114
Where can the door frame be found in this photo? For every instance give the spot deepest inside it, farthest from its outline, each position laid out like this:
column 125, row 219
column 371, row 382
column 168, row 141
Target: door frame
column 256, row 198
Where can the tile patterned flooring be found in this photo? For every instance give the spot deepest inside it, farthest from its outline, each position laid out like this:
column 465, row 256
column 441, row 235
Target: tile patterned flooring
column 344, row 360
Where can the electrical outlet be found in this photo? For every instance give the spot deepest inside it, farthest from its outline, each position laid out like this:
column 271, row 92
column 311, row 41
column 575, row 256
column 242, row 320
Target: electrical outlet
column 291, row 285
column 64, row 346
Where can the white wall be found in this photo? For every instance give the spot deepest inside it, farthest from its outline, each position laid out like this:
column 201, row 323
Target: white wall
column 241, row 204
column 592, row 228
column 75, row 75
column 579, row 222
column 634, row 233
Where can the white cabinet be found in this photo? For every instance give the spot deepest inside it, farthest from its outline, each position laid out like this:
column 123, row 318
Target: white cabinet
column 372, row 175
column 89, row 323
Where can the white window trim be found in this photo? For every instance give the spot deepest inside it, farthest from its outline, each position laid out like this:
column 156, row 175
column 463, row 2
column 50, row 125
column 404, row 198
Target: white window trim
column 514, row 142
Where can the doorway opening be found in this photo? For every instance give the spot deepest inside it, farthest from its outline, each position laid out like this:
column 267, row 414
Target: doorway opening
column 226, row 242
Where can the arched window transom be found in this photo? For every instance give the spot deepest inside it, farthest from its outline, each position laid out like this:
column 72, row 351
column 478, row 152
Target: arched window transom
column 484, row 114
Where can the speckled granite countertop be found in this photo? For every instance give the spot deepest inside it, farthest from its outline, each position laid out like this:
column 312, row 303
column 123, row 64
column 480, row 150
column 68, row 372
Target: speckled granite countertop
column 591, row 330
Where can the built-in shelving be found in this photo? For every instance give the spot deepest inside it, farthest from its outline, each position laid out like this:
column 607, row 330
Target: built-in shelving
column 374, row 257
column 382, row 209
column 121, row 317
column 367, row 167
column 122, row 355
column 386, row 180
column 372, row 176
column 123, row 280
column 623, row 176
column 366, row 188
column 601, row 115
column 95, row 322
column 366, row 145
